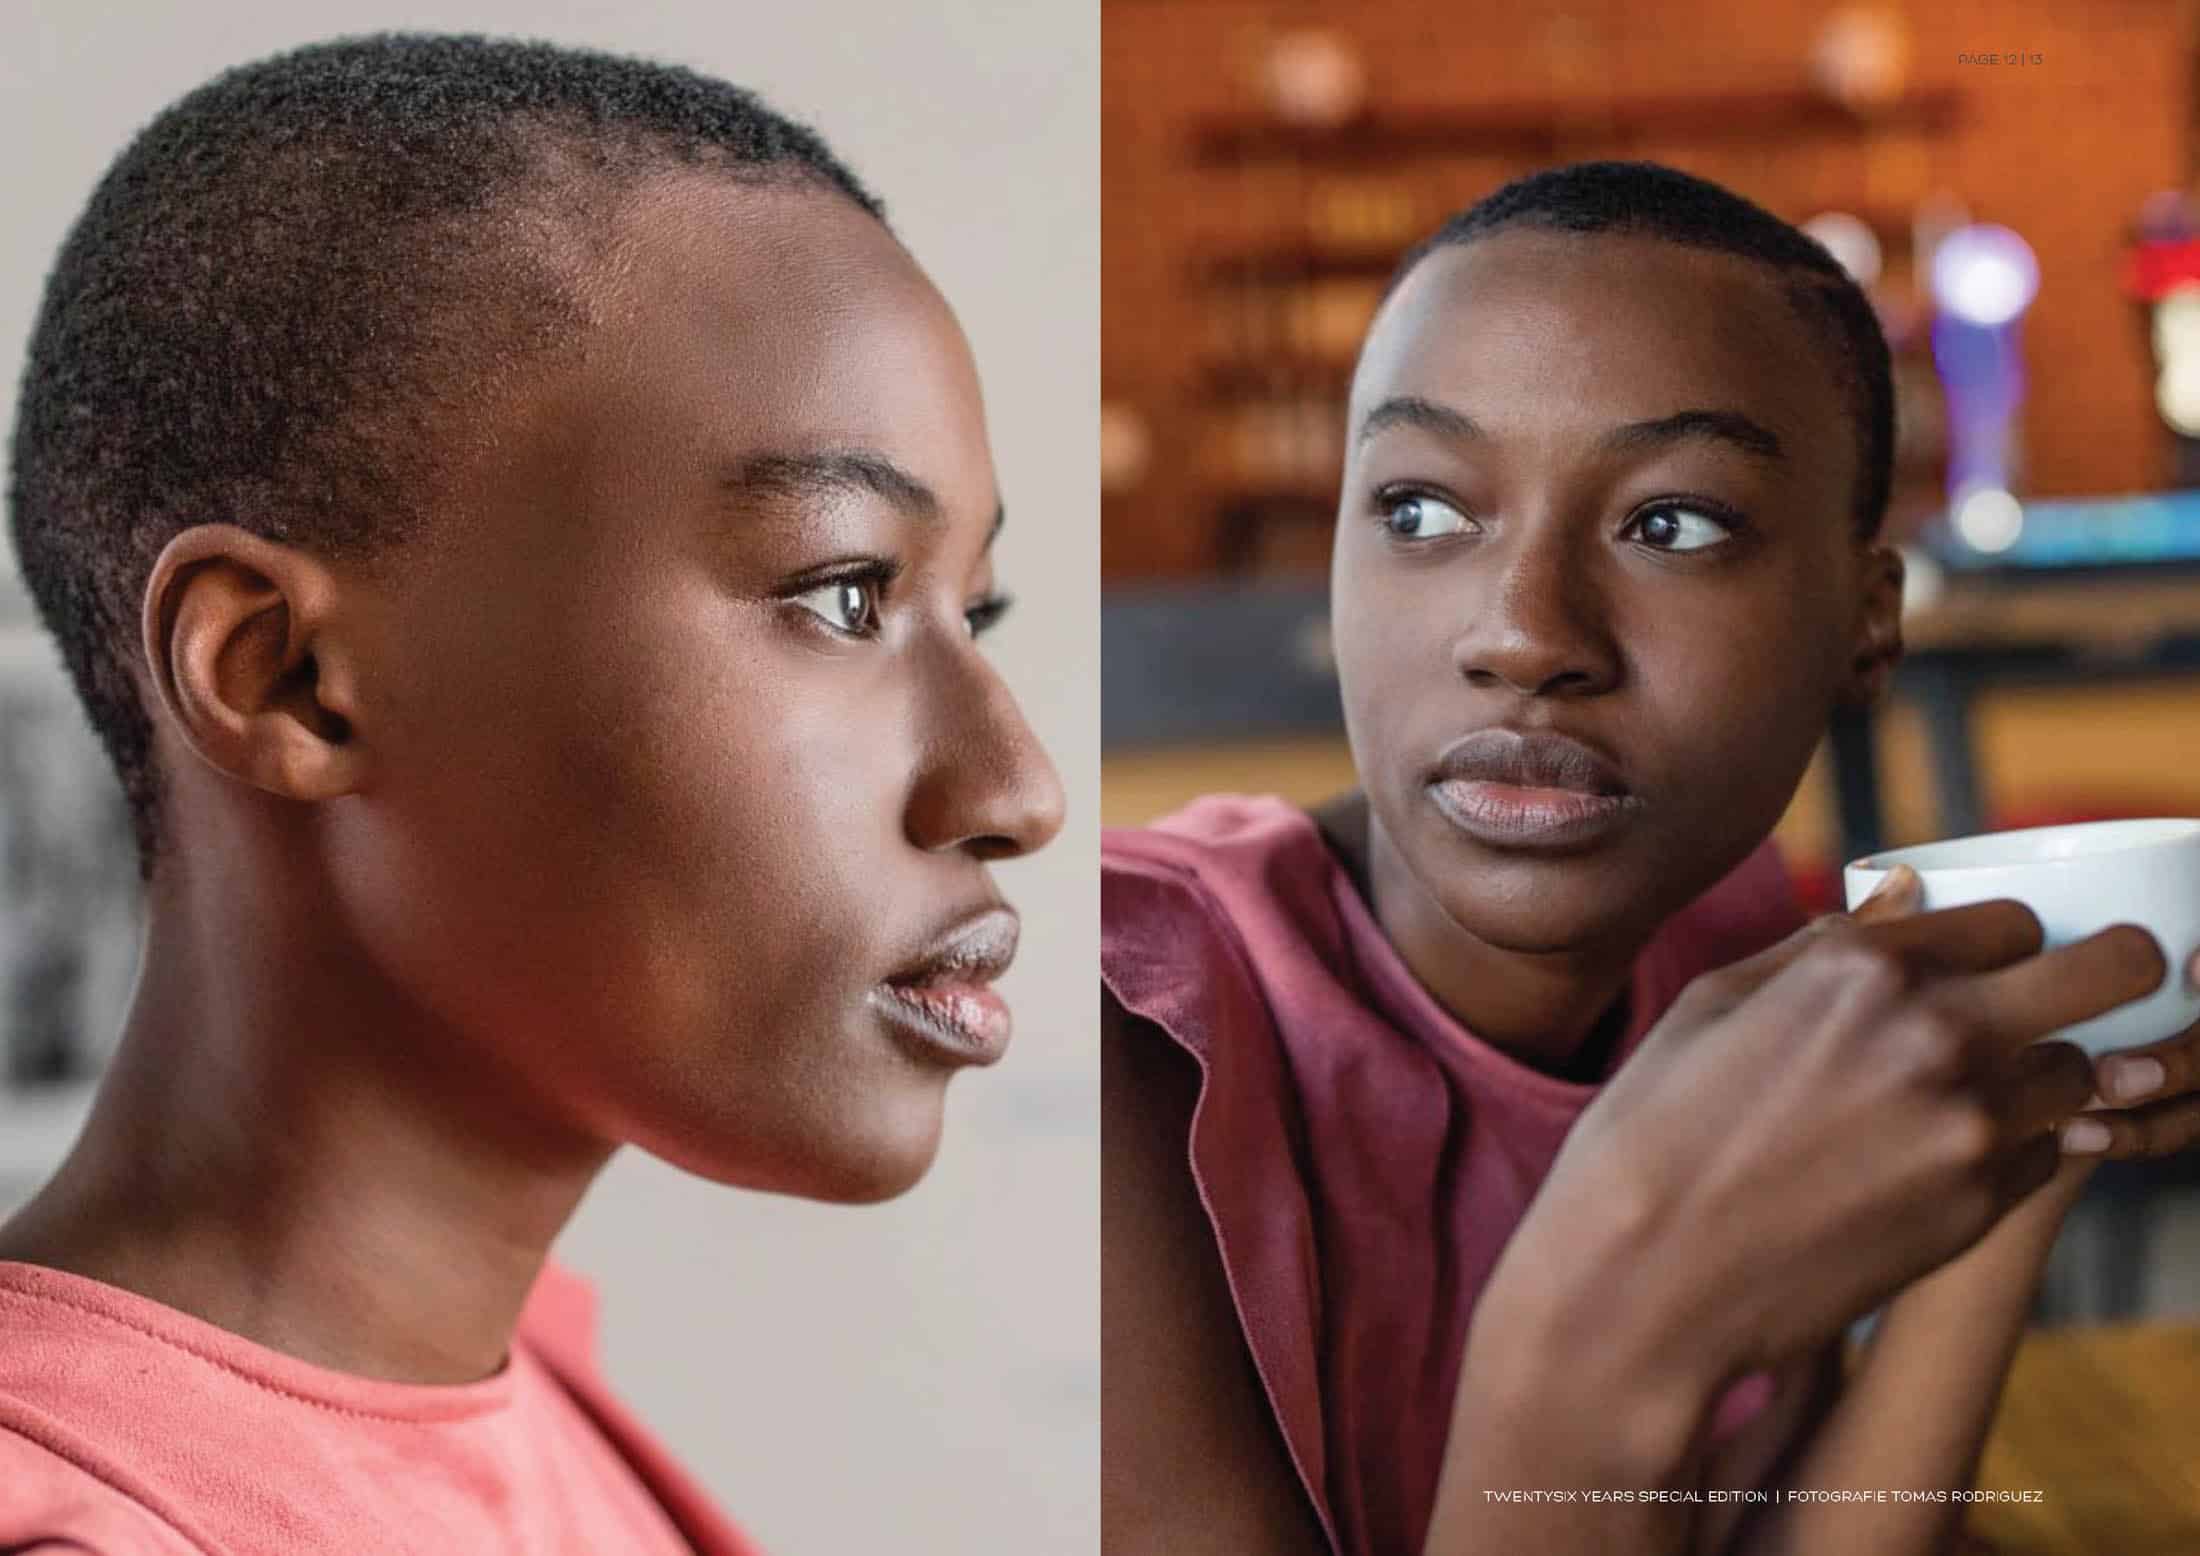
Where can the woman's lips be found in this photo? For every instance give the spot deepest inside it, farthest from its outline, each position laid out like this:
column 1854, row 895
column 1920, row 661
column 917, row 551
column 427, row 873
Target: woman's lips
column 1508, row 815
column 941, row 999
column 964, row 1023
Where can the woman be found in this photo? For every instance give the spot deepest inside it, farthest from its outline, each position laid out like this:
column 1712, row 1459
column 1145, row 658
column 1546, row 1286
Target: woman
column 1496, row 1136
column 520, row 522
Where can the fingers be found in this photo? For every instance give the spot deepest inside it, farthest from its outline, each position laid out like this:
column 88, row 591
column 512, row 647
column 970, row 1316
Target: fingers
column 2073, row 983
column 1895, row 896
column 2027, row 1167
column 1981, row 937
column 1962, row 939
column 2161, row 1129
column 2167, row 1068
column 2046, row 1084
column 1735, row 982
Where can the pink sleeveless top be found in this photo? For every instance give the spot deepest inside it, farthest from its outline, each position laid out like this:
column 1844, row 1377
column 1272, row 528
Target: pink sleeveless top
column 129, row 1428
column 1362, row 1157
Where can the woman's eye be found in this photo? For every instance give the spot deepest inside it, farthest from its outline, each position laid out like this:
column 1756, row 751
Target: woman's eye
column 982, row 617
column 1418, row 516
column 848, row 605
column 1677, row 528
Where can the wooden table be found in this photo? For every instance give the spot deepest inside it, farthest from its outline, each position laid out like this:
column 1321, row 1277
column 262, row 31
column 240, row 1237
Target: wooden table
column 2105, row 1423
column 1983, row 635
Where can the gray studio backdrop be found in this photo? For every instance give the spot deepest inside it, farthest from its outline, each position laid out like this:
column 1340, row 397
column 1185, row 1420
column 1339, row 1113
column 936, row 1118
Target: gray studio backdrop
column 921, row 1376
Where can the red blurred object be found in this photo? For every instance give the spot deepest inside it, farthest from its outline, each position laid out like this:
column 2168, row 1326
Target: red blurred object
column 1817, row 886
column 2152, row 270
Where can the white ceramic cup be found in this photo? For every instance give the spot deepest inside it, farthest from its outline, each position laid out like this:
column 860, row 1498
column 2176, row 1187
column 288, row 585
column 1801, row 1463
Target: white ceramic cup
column 2078, row 879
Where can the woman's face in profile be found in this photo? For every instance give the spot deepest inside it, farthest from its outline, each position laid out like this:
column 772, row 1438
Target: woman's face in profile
column 697, row 764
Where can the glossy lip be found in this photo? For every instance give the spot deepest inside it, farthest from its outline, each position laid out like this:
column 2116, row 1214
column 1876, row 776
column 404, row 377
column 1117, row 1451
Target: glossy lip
column 941, row 999
column 1515, row 788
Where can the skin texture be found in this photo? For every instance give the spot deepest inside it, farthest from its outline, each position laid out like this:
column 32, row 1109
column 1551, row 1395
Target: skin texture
column 1705, row 675
column 579, row 825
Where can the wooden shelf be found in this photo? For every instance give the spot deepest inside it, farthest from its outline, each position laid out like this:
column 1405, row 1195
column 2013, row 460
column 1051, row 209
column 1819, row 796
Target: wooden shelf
column 1273, row 494
column 1541, row 129
column 1234, row 382
column 1286, row 263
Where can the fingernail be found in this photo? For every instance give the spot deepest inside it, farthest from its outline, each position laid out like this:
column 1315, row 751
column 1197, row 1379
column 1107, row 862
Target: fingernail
column 1895, row 883
column 2084, row 1137
column 2131, row 1079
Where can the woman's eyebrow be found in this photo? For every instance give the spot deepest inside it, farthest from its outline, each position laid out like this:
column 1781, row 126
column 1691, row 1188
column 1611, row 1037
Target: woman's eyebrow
column 1410, row 410
column 833, row 472
column 1732, row 428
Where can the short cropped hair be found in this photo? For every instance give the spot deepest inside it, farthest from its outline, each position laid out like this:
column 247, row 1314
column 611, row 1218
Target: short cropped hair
column 1661, row 202
column 282, row 296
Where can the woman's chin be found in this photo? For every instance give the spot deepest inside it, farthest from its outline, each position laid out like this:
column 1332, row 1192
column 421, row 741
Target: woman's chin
column 847, row 1159
column 1544, row 924
column 872, row 1177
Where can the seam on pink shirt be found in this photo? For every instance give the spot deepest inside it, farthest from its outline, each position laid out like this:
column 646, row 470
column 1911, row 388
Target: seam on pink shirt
column 138, row 1497
column 429, row 1417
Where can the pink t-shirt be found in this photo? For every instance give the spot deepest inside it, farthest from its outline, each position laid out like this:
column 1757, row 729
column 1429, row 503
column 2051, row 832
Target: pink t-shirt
column 128, row 1428
column 1362, row 1157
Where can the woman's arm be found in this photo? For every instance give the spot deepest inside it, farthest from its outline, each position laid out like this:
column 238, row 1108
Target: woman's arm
column 1191, row 1462
column 1916, row 1415
column 1597, row 1403
column 1762, row 1455
column 1802, row 1138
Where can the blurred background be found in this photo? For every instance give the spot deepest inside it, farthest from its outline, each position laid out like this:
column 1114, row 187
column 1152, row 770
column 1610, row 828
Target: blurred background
column 839, row 1378
column 2013, row 183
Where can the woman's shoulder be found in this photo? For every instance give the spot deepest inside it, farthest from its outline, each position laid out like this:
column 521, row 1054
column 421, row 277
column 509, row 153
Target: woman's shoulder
column 1192, row 1456
column 1192, row 904
column 1211, row 833
column 50, row 1503
column 1230, row 852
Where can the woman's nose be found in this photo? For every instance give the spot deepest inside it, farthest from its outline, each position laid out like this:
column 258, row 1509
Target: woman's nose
column 1541, row 627
column 987, row 785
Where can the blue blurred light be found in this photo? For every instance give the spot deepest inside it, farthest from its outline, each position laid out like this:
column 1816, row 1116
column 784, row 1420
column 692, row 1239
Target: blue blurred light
column 2115, row 531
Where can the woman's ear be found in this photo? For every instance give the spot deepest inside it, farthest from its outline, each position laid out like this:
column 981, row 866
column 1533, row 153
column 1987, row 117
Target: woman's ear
column 1876, row 641
column 242, row 651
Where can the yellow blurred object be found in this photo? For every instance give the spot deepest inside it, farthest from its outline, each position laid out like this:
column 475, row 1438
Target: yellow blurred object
column 2097, row 1423
column 1334, row 316
column 1313, row 76
column 1861, row 57
column 1126, row 448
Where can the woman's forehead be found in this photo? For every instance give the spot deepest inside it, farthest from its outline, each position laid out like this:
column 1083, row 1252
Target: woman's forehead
column 775, row 319
column 1611, row 327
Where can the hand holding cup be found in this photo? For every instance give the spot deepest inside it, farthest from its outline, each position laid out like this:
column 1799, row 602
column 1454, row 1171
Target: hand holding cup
column 2078, row 878
column 1806, row 1132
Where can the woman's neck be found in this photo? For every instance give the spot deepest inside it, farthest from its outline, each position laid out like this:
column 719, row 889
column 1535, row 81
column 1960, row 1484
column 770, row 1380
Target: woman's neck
column 284, row 1155
column 1564, row 1013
